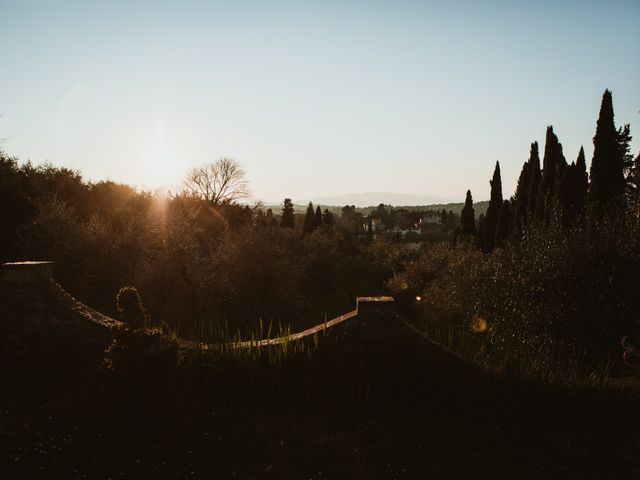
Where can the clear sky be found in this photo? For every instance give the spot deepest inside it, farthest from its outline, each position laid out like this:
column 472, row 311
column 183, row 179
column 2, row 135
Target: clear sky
column 313, row 98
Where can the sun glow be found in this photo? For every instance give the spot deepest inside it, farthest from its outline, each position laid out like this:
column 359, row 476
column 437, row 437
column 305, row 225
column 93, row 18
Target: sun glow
column 162, row 162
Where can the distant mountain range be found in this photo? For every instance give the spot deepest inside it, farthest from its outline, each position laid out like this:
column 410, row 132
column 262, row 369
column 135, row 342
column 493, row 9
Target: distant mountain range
column 369, row 199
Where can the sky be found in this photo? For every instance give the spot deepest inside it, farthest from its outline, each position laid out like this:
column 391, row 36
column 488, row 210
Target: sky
column 313, row 98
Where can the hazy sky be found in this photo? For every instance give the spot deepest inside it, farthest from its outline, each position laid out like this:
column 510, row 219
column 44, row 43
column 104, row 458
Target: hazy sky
column 313, row 98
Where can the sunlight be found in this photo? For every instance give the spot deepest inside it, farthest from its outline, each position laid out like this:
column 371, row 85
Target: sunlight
column 162, row 161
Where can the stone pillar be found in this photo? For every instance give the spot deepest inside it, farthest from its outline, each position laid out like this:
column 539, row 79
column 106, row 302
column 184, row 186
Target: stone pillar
column 27, row 272
column 375, row 306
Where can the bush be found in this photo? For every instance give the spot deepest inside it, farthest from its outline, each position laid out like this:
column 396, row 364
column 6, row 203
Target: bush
column 558, row 298
column 131, row 308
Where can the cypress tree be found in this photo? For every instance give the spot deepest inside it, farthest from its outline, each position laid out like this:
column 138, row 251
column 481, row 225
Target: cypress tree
column 561, row 164
column 624, row 144
column 549, row 162
column 569, row 194
column 581, row 165
column 491, row 219
column 535, row 177
column 572, row 189
column 607, row 177
column 504, row 222
column 443, row 217
column 318, row 217
column 553, row 166
column 467, row 219
column 287, row 220
column 633, row 180
column 521, row 196
column 309, row 220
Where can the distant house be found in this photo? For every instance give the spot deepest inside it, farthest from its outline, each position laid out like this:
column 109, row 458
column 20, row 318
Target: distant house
column 376, row 225
column 430, row 218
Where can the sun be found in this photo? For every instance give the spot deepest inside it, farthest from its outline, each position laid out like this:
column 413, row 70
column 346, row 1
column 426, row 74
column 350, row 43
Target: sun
column 162, row 161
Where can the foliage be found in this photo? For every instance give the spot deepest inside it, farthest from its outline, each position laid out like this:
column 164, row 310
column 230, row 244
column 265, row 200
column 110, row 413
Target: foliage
column 309, row 220
column 219, row 182
column 131, row 308
column 287, row 220
column 607, row 165
column 559, row 290
column 467, row 219
column 493, row 212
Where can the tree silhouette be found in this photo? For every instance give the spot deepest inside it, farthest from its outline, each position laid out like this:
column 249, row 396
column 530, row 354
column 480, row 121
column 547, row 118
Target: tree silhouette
column 222, row 181
column 521, row 196
column 581, row 165
column 535, row 176
column 493, row 211
column 309, row 220
column 467, row 219
column 553, row 168
column 327, row 217
column 607, row 177
column 504, row 222
column 287, row 220
column 270, row 219
column 624, row 144
column 318, row 218
column 633, row 180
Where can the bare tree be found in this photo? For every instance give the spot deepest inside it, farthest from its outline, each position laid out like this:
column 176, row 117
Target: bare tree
column 222, row 181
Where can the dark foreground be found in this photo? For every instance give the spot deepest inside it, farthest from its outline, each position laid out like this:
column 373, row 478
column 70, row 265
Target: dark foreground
column 61, row 417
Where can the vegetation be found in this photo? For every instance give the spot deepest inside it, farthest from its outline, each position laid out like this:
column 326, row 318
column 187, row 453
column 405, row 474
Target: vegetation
column 522, row 310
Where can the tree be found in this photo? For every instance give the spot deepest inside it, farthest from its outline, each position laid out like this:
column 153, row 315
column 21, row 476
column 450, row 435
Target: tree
column 553, row 167
column 520, row 200
column 443, row 217
column 633, row 180
column 493, row 211
column 270, row 219
column 287, row 220
column 607, row 164
column 348, row 218
column 309, row 220
column 572, row 189
column 581, row 164
column 17, row 210
column 219, row 182
column 369, row 228
column 534, row 183
column 504, row 222
column 624, row 144
column 318, row 217
column 327, row 217
column 521, row 196
column 467, row 219
column 383, row 214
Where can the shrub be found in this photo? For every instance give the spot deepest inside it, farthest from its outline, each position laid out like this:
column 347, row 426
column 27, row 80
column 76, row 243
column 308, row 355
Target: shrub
column 131, row 308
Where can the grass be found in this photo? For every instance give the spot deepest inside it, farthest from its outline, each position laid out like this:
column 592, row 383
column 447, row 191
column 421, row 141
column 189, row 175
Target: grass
column 354, row 401
column 552, row 363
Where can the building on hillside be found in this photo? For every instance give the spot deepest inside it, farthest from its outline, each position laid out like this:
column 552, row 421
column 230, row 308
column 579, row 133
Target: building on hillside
column 430, row 218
